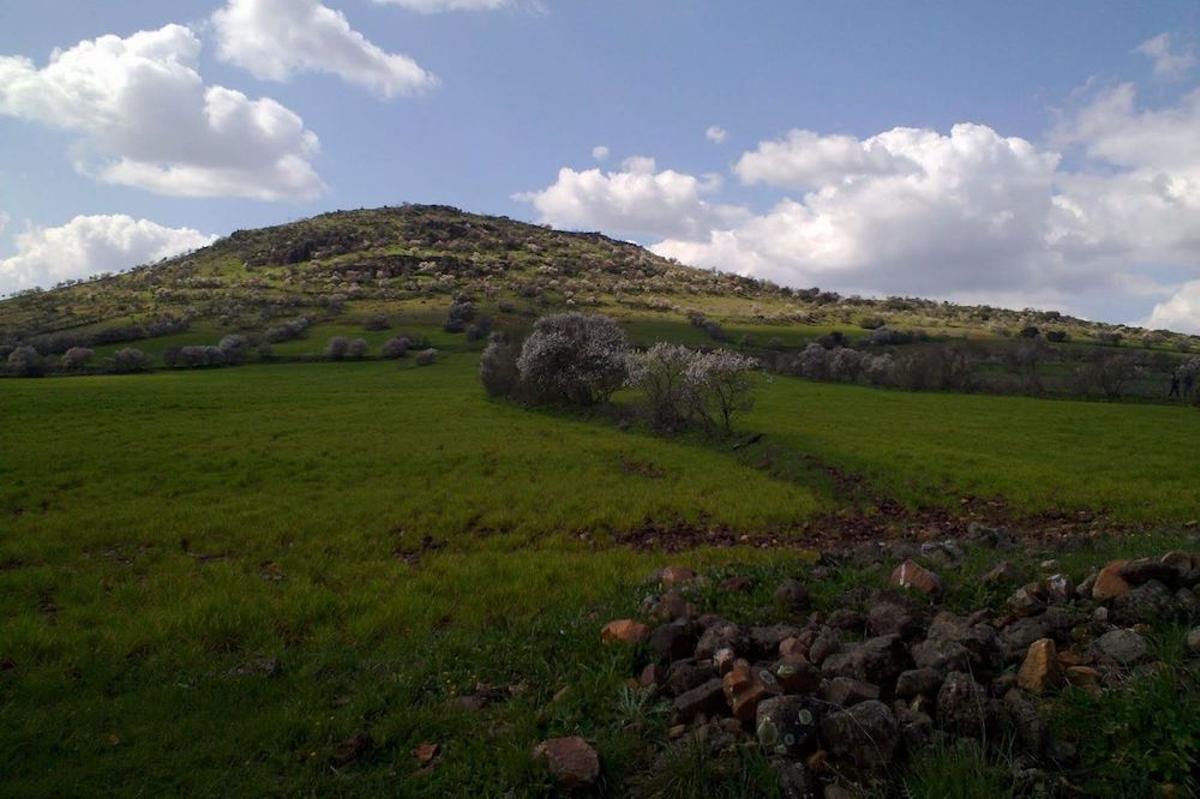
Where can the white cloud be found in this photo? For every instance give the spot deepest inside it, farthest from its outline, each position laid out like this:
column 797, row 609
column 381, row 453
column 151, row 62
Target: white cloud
column 636, row 200
column 275, row 39
column 1179, row 312
column 911, row 211
column 805, row 159
column 88, row 245
column 1169, row 63
column 600, row 152
column 437, row 6
column 145, row 119
column 716, row 134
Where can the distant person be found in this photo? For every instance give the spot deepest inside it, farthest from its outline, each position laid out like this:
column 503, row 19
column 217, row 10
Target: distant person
column 1174, row 392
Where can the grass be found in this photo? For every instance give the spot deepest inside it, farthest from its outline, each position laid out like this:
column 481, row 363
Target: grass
column 211, row 579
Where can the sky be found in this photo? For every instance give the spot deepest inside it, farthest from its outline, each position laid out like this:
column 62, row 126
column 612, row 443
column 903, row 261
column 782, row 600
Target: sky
column 1024, row 154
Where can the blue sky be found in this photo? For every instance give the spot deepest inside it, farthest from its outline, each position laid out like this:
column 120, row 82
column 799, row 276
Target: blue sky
column 1071, row 216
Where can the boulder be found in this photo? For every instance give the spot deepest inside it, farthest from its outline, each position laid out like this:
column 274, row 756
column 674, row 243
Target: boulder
column 1040, row 671
column 1123, row 647
column 625, row 631
column 796, row 675
column 911, row 574
column 794, row 782
column 743, row 691
column 722, row 635
column 1148, row 602
column 1185, row 564
column 684, row 675
column 892, row 618
column 962, row 706
column 914, row 682
column 1058, row 588
column 708, row 697
column 1023, row 720
column 1143, row 570
column 847, row 692
column 765, row 641
column 791, row 596
column 866, row 734
column 670, row 642
column 825, row 644
column 941, row 656
column 1109, row 583
column 1055, row 623
column 787, row 725
column 572, row 762
column 1028, row 600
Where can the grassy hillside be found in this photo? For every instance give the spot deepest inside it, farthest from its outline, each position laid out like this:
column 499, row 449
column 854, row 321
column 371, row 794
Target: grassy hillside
column 212, row 580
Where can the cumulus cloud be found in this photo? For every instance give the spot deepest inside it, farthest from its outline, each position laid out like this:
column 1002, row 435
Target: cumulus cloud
column 145, row 119
column 1181, row 311
column 910, row 211
column 600, row 152
column 1169, row 62
column 88, row 245
column 716, row 134
column 276, row 39
column 803, row 158
column 637, row 199
column 438, row 6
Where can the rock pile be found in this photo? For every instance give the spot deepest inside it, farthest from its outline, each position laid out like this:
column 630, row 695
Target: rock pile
column 845, row 694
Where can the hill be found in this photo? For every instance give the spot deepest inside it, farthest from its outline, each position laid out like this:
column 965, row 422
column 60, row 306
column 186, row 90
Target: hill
column 348, row 264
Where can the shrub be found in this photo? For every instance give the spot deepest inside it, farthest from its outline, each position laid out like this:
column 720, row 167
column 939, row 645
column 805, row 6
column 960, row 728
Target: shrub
column 357, row 348
column 1058, row 336
column 1106, row 373
column 661, row 374
column 395, row 347
column 721, row 386
column 498, row 367
column 775, row 343
column 480, row 329
column 714, row 331
column 193, row 357
column 845, row 364
column 1025, row 361
column 935, row 368
column 871, row 322
column 427, row 357
column 879, row 370
column 461, row 312
column 287, row 331
column 234, row 347
column 813, row 362
column 573, row 358
column 377, row 322
column 1030, row 331
column 337, row 347
column 130, row 359
column 76, row 358
column 24, row 361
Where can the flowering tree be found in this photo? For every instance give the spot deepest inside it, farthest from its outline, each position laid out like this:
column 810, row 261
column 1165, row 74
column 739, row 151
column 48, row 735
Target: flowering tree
column 573, row 358
column 721, row 386
column 661, row 373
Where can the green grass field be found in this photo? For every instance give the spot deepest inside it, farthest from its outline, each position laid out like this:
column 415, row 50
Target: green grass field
column 209, row 579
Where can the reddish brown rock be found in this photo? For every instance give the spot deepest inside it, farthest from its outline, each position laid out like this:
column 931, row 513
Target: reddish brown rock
column 626, row 631
column 1109, row 582
column 572, row 762
column 911, row 574
column 1040, row 671
column 653, row 674
column 426, row 752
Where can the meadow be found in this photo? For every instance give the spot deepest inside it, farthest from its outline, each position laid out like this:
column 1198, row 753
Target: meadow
column 211, row 581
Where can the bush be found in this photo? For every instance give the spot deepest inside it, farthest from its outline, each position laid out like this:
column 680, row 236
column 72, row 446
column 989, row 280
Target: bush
column 813, row 362
column 357, row 348
column 1030, row 331
column 498, row 367
column 193, row 357
column 377, row 322
column 130, row 359
column 427, row 357
column 661, row 374
column 935, row 368
column 76, row 358
column 845, row 364
column 461, row 312
column 573, row 358
column 721, row 386
column 480, row 329
column 879, row 370
column 1106, row 373
column 287, row 331
column 395, row 347
column 1058, row 336
column 337, row 347
column 871, row 322
column 24, row 361
column 234, row 347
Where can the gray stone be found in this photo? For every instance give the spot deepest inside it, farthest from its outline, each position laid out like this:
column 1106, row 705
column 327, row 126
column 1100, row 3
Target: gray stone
column 1147, row 603
column 891, row 618
column 846, row 691
column 962, row 706
column 786, row 725
column 722, row 635
column 708, row 697
column 1124, row 647
column 914, row 682
column 866, row 734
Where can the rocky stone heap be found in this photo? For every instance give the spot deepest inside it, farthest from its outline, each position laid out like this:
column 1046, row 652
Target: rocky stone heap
column 852, row 691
